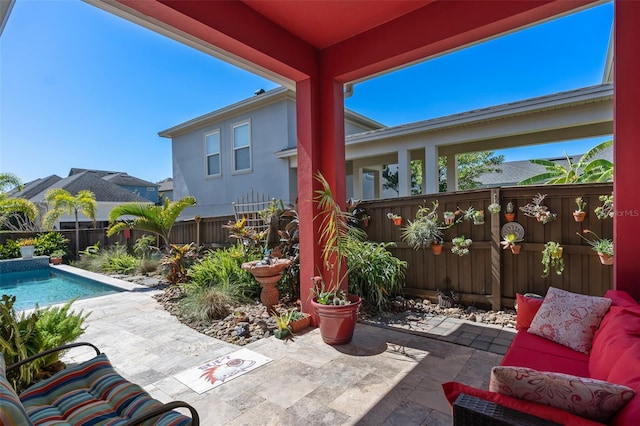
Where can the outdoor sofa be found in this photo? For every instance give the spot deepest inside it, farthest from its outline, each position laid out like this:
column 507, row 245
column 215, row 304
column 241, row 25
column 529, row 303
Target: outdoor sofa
column 87, row 393
column 527, row 389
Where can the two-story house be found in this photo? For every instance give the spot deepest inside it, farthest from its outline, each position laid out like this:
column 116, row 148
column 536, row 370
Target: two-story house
column 223, row 155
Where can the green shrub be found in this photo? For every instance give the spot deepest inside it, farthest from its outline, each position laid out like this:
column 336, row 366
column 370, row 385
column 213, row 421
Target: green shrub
column 144, row 246
column 9, row 250
column 19, row 339
column 207, row 304
column 114, row 259
column 58, row 327
column 374, row 273
column 223, row 269
column 23, row 336
column 50, row 242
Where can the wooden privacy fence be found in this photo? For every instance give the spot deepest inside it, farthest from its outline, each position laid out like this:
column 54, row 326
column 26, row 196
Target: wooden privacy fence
column 489, row 274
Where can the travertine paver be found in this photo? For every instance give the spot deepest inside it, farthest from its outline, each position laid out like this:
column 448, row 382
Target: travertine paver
column 383, row 377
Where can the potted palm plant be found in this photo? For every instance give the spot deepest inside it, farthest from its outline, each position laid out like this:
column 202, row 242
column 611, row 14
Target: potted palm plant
column 602, row 246
column 337, row 311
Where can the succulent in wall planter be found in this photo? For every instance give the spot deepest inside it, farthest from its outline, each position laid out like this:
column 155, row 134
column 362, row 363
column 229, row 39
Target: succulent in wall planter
column 605, row 211
column 425, row 231
column 397, row 219
column 510, row 242
column 461, row 245
column 494, row 208
column 537, row 210
column 602, row 246
column 552, row 258
column 579, row 213
column 509, row 214
column 436, row 247
column 478, row 217
column 449, row 218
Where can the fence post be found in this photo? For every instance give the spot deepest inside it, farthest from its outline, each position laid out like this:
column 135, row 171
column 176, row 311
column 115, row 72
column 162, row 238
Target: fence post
column 496, row 268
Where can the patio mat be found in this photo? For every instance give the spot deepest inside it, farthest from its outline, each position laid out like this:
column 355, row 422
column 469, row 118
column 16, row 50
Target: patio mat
column 221, row 370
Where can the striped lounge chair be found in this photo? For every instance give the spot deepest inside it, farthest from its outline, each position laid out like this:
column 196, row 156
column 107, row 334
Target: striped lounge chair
column 90, row 393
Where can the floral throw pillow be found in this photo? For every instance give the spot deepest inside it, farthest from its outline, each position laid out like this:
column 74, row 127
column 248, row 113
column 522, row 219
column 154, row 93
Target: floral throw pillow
column 569, row 319
column 594, row 399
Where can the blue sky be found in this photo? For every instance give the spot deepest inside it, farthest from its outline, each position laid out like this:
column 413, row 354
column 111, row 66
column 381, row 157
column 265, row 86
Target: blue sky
column 80, row 87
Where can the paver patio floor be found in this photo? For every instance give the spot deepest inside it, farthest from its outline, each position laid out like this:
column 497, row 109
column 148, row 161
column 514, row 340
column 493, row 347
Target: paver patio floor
column 383, row 376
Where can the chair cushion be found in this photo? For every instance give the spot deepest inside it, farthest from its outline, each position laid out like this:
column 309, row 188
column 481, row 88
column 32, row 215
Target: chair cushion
column 626, row 371
column 92, row 393
column 529, row 350
column 12, row 412
column 586, row 397
column 618, row 331
column 453, row 389
column 569, row 319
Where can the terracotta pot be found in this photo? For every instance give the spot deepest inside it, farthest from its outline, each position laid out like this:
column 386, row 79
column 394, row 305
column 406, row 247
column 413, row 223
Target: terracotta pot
column 300, row 324
column 509, row 217
column 516, row 249
column 605, row 259
column 365, row 223
column 337, row 323
column 579, row 216
column 436, row 248
column 448, row 220
column 397, row 221
column 55, row 260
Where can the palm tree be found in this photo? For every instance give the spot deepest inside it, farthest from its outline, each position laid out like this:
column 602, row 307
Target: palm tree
column 15, row 213
column 62, row 202
column 148, row 217
column 585, row 170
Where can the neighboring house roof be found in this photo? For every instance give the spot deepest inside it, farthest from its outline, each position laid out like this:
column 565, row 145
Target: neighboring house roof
column 99, row 173
column 5, row 11
column 249, row 104
column 166, row 185
column 125, row 179
column 517, row 171
column 33, row 188
column 103, row 190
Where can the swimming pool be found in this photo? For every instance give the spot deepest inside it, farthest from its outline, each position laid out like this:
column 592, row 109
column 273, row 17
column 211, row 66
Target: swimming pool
column 48, row 286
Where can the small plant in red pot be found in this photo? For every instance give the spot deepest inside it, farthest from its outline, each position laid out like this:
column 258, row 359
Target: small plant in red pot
column 579, row 213
column 510, row 242
column 337, row 311
column 509, row 214
column 397, row 219
column 602, row 246
column 425, row 231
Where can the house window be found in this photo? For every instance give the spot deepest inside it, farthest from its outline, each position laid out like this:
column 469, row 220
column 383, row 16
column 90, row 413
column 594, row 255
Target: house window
column 212, row 150
column 242, row 147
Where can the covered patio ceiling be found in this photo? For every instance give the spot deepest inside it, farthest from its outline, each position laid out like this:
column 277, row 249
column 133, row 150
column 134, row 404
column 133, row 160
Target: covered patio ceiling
column 315, row 47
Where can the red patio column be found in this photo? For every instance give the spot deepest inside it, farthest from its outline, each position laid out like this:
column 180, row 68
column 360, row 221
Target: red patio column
column 320, row 128
column 626, row 132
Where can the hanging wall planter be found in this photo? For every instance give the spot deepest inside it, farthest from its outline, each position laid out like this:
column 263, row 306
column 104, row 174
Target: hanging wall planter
column 397, row 219
column 436, row 247
column 579, row 214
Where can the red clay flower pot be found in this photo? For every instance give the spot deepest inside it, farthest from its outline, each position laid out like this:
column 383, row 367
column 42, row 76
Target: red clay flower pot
column 337, row 322
column 397, row 221
column 509, row 216
column 579, row 216
column 605, row 259
column 436, row 248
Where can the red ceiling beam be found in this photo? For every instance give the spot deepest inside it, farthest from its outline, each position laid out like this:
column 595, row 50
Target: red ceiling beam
column 224, row 24
column 435, row 28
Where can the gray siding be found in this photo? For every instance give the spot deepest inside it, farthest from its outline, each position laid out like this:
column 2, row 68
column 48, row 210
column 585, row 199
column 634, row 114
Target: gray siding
column 270, row 132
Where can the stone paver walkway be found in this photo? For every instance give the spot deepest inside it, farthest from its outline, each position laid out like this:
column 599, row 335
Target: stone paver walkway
column 383, row 377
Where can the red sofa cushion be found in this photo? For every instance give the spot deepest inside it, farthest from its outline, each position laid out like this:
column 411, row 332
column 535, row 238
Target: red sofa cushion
column 529, row 350
column 620, row 298
column 626, row 371
column 453, row 389
column 527, row 309
column 615, row 335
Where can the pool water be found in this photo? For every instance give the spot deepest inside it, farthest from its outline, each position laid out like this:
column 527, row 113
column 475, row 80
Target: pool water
column 47, row 286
